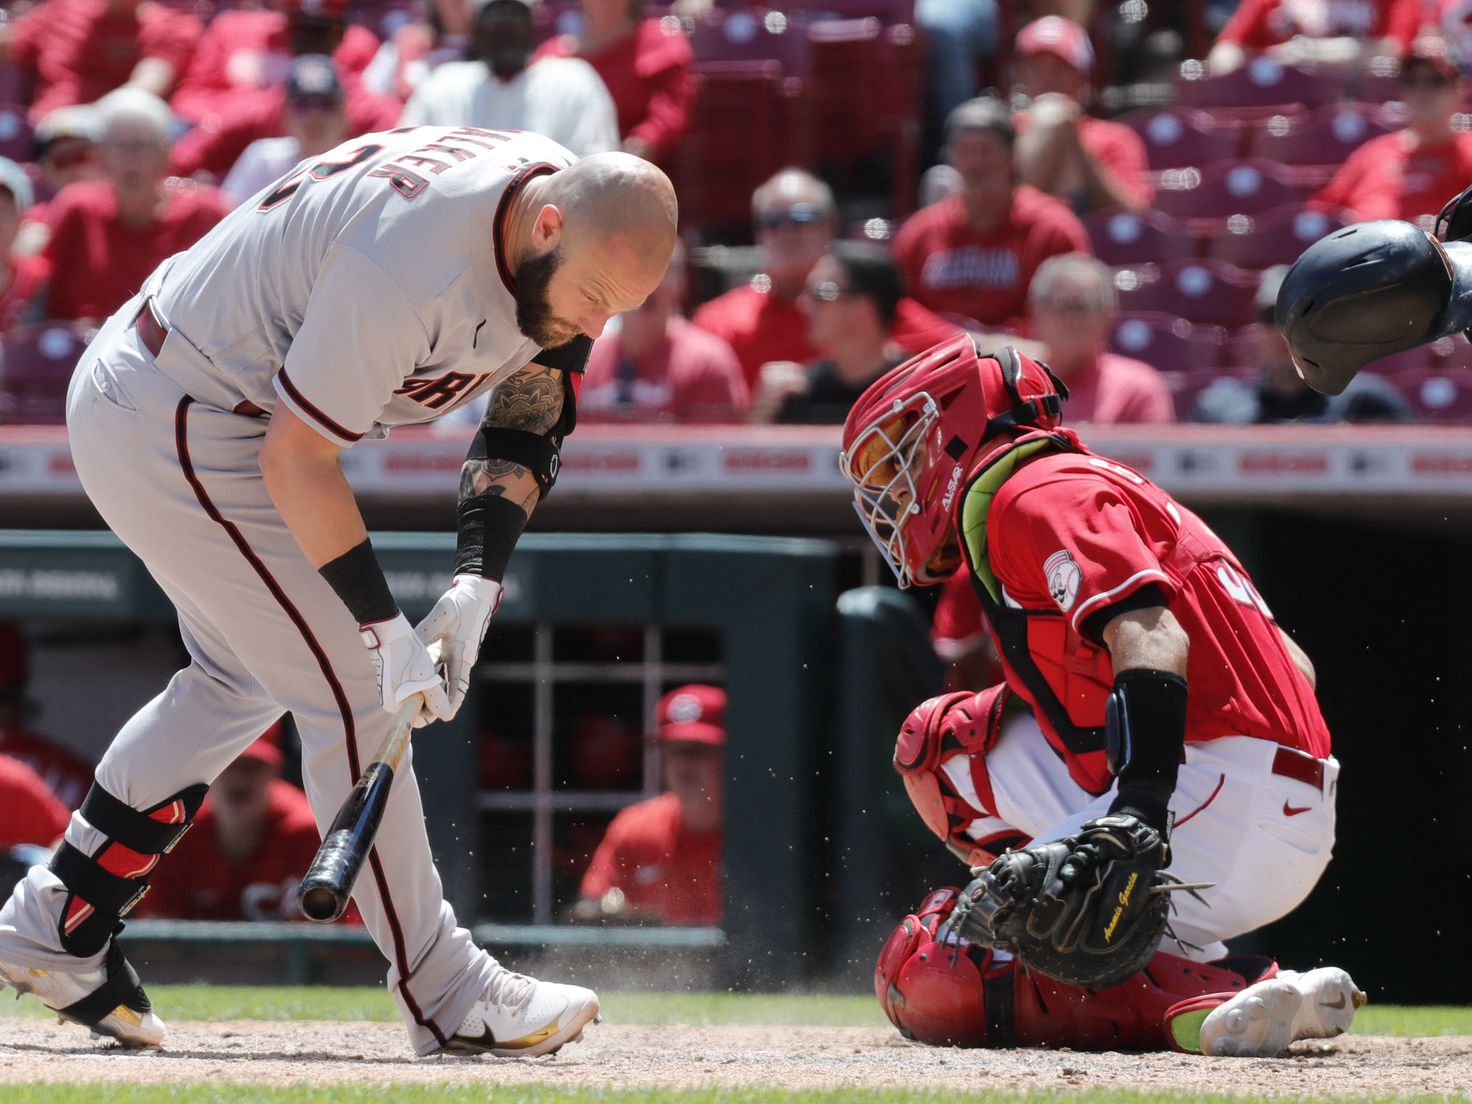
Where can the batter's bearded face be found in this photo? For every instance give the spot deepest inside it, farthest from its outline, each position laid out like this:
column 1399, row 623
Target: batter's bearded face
column 534, row 314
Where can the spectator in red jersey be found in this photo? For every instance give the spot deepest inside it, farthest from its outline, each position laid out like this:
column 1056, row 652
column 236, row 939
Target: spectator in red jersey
column 417, row 48
column 21, row 275
column 65, row 152
column 64, row 774
column 646, row 64
column 1408, row 173
column 795, row 214
column 657, row 365
column 77, row 51
column 248, row 52
column 851, row 298
column 1332, row 32
column 109, row 234
column 661, row 858
column 29, row 811
column 250, row 845
column 1061, row 149
column 972, row 255
column 1072, row 306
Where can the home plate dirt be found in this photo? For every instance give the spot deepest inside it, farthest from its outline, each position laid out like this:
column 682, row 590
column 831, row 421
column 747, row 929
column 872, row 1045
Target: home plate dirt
column 613, row 1055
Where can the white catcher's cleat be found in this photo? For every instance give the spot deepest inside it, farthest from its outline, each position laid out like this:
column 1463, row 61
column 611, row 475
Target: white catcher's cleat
column 110, row 999
column 521, row 1017
column 1263, row 1019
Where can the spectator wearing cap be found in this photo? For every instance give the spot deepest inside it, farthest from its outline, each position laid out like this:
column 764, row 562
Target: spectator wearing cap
column 656, row 365
column 249, row 847
column 1408, row 174
column 971, row 255
column 503, row 88
column 1328, row 32
column 419, row 46
column 850, row 297
column 313, row 118
column 1279, row 393
column 66, row 775
column 647, row 66
column 661, row 858
column 1087, row 162
column 77, row 51
column 794, row 214
column 248, row 52
column 22, row 276
column 109, row 234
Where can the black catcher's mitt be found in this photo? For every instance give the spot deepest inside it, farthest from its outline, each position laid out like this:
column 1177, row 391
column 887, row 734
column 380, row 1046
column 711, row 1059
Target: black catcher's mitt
column 1089, row 909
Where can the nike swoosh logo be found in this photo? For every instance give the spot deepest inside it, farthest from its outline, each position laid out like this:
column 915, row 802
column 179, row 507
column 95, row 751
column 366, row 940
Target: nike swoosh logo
column 475, row 337
column 1333, row 1004
column 1294, row 810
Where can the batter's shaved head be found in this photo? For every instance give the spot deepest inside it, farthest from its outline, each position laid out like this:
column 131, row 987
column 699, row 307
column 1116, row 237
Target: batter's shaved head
column 618, row 201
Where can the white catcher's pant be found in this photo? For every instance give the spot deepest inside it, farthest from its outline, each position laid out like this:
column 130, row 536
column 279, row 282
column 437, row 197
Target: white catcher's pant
column 1262, row 839
column 179, row 482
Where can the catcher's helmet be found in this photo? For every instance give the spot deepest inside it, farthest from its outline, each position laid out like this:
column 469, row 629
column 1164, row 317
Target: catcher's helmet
column 914, row 435
column 1370, row 290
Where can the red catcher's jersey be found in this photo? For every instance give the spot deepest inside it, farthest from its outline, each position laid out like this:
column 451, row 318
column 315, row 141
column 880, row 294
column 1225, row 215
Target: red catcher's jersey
column 1073, row 534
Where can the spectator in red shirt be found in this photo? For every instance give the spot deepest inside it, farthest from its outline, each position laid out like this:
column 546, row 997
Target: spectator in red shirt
column 66, row 151
column 21, row 276
column 1339, row 32
column 1409, row 173
column 245, row 53
column 251, row 843
column 657, row 365
column 109, row 234
column 972, row 255
column 29, row 811
column 66, row 775
column 661, row 858
column 795, row 214
column 1061, row 149
column 647, row 65
column 77, row 51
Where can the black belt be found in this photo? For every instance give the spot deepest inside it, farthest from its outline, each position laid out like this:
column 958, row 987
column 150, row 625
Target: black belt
column 1299, row 766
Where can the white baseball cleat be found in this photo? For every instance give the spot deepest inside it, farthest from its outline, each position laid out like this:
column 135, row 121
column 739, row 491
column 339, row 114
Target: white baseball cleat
column 109, row 1000
column 521, row 1017
column 1263, row 1019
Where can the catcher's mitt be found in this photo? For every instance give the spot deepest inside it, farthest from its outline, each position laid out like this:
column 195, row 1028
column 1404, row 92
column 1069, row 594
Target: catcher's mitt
column 1089, row 909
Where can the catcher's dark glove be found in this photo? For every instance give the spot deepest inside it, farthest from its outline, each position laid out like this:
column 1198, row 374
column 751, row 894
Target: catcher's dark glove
column 1089, row 909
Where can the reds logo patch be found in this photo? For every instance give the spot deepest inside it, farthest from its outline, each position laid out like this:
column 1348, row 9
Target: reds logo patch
column 1064, row 576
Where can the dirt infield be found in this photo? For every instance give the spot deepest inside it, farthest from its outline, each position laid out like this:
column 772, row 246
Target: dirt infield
column 252, row 1052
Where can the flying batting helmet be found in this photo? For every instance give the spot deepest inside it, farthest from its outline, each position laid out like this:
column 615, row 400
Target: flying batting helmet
column 1370, row 290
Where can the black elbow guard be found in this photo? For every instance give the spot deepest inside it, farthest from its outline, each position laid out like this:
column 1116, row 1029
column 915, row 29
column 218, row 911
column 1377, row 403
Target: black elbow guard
column 1145, row 735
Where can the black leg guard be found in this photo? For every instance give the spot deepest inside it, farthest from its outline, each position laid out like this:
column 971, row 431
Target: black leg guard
column 122, row 989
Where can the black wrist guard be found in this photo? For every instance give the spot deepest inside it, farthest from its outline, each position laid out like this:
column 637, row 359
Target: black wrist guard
column 1145, row 734
column 489, row 525
column 358, row 580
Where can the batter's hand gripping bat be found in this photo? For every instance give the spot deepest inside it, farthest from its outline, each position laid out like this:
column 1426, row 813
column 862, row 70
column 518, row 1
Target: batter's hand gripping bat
column 328, row 885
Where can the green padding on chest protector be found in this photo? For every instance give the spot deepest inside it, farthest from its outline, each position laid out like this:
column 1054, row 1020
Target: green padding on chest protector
column 978, row 500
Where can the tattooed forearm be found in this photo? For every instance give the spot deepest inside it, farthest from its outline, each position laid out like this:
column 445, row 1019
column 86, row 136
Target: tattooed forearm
column 530, row 400
column 504, row 478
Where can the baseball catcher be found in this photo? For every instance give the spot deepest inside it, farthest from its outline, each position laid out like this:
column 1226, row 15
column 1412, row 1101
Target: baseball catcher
column 1167, row 778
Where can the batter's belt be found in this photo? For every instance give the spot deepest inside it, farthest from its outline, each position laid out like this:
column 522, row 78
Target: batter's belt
column 151, row 335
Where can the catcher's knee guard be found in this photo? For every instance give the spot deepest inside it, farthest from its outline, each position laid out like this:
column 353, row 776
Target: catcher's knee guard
column 103, row 887
column 960, row 994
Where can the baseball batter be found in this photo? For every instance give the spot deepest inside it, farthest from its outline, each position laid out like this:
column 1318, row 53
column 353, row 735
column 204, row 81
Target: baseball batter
column 382, row 284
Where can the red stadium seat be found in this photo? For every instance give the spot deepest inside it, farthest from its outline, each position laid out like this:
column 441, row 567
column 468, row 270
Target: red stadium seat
column 1277, row 237
column 1167, row 343
column 1134, row 238
column 16, row 139
column 1261, row 84
column 744, row 35
column 1177, row 137
column 1223, row 188
column 1438, row 395
column 1199, row 291
column 38, row 364
column 1325, row 137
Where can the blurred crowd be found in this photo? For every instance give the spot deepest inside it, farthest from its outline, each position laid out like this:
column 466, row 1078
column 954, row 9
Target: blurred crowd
column 1112, row 185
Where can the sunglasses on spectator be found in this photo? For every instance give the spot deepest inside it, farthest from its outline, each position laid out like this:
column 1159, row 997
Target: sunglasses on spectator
column 826, row 292
column 66, row 156
column 799, row 214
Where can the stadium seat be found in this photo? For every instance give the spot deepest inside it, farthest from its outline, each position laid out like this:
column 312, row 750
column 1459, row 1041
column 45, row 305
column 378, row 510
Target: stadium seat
column 1276, row 237
column 1123, row 237
column 16, row 139
column 1177, row 137
column 744, row 35
column 1249, row 187
column 37, row 367
column 1325, row 137
column 1438, row 395
column 15, row 86
column 1167, row 343
column 1262, row 86
column 1199, row 291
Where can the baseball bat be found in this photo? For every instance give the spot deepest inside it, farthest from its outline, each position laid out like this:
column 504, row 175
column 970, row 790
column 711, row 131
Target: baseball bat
column 329, row 881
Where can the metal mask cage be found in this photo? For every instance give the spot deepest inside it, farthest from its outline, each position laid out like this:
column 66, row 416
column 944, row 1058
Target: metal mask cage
column 885, row 496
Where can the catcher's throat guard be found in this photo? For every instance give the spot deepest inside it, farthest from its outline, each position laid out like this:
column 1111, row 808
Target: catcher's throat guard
column 1371, row 290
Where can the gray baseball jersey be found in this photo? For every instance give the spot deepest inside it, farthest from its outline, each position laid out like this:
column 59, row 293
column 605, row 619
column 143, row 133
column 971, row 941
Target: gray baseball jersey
column 366, row 289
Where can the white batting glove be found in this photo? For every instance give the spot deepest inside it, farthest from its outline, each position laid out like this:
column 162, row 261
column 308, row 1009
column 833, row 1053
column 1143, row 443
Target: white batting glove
column 455, row 628
column 404, row 667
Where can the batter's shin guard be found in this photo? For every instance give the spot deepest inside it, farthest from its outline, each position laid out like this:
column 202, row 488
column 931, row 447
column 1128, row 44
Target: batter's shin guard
column 104, row 887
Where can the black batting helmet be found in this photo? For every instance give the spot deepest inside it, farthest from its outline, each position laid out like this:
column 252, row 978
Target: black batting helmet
column 1370, row 290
